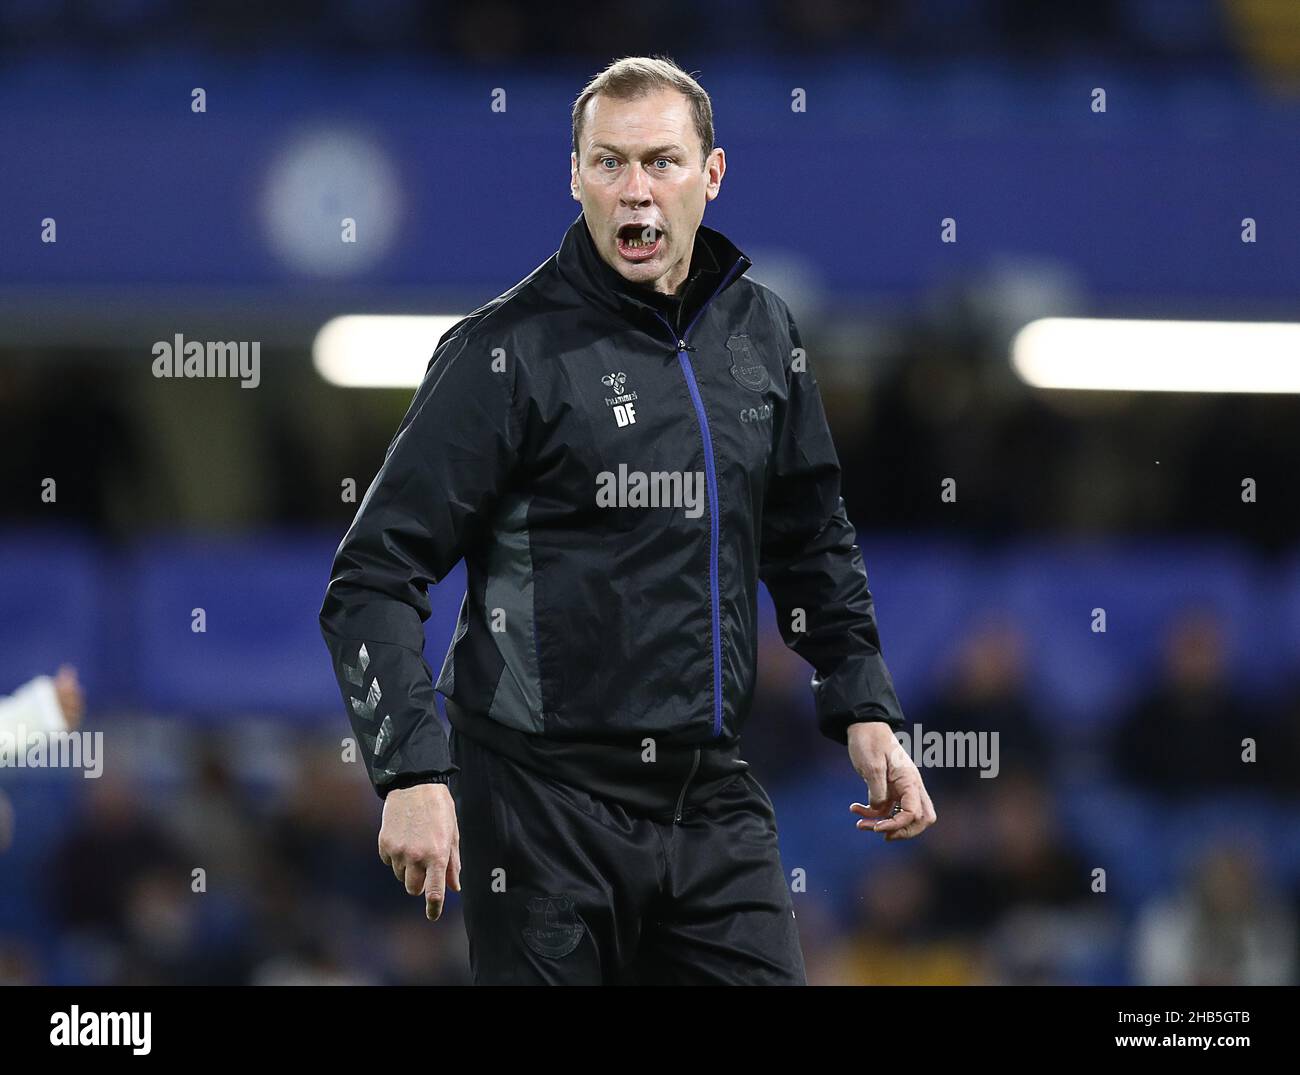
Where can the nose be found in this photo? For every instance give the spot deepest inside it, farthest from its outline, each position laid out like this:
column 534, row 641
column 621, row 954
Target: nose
column 636, row 191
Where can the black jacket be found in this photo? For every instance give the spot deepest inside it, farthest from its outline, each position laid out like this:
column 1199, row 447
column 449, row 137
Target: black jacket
column 609, row 641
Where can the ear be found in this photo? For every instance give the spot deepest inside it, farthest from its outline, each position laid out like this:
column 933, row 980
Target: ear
column 716, row 168
column 573, row 177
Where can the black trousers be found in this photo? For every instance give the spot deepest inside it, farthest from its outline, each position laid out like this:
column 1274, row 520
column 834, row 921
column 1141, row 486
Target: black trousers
column 562, row 888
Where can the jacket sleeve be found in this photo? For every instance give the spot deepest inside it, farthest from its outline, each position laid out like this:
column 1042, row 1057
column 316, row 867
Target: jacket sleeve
column 810, row 562
column 450, row 459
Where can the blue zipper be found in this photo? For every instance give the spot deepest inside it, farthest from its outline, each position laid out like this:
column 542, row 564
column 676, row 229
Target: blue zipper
column 711, row 481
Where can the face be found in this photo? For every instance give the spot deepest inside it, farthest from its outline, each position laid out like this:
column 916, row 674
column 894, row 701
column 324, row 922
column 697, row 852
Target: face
column 639, row 178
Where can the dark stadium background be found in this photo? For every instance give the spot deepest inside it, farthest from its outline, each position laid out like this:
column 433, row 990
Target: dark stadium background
column 1118, row 750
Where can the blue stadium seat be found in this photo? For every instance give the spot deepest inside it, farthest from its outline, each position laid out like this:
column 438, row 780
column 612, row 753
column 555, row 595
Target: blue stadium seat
column 54, row 610
column 1086, row 677
column 262, row 650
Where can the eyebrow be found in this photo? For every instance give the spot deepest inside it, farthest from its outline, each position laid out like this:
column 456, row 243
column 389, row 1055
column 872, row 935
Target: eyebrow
column 655, row 151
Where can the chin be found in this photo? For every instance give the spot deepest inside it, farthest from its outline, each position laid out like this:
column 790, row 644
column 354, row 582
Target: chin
column 639, row 274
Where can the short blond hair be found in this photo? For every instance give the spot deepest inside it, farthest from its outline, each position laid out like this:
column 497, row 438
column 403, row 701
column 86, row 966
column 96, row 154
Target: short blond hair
column 635, row 76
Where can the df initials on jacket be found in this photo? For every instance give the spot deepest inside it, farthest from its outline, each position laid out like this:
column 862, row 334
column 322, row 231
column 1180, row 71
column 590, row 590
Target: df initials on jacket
column 618, row 470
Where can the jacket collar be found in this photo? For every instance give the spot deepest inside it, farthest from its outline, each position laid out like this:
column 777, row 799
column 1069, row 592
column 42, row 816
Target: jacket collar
column 714, row 259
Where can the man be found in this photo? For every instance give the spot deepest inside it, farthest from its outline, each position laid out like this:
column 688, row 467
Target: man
column 620, row 447
column 41, row 706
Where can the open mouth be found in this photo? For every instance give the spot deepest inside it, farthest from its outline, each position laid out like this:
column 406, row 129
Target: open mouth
column 639, row 241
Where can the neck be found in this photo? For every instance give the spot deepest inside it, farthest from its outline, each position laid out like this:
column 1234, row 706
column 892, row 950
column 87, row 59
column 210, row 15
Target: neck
column 665, row 286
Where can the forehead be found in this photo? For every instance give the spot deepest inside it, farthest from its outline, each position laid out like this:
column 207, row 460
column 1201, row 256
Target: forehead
column 650, row 120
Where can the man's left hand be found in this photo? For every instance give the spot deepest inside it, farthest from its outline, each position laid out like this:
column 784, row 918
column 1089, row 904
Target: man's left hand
column 892, row 778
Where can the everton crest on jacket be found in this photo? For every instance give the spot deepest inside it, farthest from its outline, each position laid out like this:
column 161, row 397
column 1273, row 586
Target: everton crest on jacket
column 618, row 471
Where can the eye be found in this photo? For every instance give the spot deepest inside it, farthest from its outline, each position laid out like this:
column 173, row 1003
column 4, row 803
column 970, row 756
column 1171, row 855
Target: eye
column 664, row 160
column 604, row 159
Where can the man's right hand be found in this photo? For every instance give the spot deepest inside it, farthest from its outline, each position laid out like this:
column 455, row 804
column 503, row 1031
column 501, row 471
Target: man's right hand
column 420, row 840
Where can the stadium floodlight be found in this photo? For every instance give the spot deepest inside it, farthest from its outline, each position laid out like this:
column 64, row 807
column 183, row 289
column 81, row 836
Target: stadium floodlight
column 1158, row 356
column 378, row 350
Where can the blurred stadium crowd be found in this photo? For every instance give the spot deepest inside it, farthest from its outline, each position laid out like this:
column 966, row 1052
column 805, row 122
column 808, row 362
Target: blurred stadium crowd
column 1201, row 856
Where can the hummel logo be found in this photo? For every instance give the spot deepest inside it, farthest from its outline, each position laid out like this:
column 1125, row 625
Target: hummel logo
column 379, row 744
column 624, row 413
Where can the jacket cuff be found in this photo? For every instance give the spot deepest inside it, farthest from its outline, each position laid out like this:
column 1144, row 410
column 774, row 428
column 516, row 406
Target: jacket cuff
column 837, row 728
column 410, row 780
column 860, row 689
